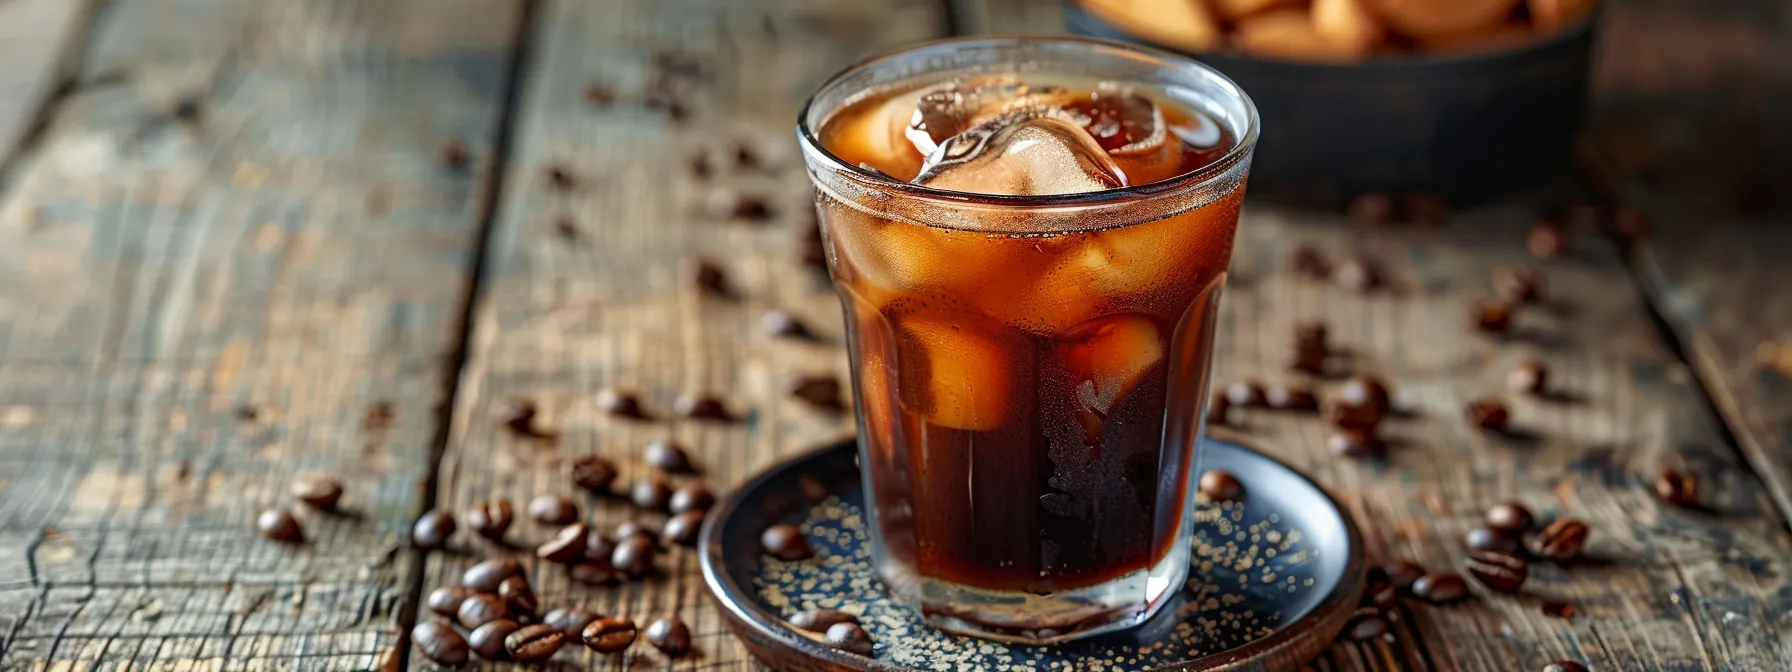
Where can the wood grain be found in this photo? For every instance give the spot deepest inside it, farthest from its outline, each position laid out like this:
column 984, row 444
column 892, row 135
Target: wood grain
column 231, row 241
column 36, row 37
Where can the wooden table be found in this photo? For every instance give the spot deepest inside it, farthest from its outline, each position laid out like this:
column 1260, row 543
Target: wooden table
column 232, row 251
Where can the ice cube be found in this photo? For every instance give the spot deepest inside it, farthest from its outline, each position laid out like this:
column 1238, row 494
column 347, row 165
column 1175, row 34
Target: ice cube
column 949, row 109
column 1107, row 356
column 1144, row 257
column 877, row 138
column 955, row 372
column 1022, row 154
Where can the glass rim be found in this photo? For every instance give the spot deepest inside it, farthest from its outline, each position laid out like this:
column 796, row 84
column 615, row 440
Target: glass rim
column 1242, row 148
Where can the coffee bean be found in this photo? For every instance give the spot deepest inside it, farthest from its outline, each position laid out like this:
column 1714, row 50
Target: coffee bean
column 1220, row 486
column 785, row 542
column 1546, row 240
column 1306, row 262
column 519, row 596
column 453, row 154
column 599, row 544
column 1365, row 624
column 1346, row 415
column 594, row 572
column 727, row 203
column 711, row 279
column 701, row 406
column 599, row 95
column 670, row 636
column 1489, row 539
column 1529, row 377
column 634, row 528
column 682, row 529
column 1378, row 589
column 780, row 323
column 440, row 643
column 571, row 621
column 1403, row 574
column 668, row 456
column 1565, row 666
column 819, row 620
column 535, row 643
column 1354, row 442
column 481, row 609
column 488, row 640
column 1367, row 390
column 318, row 491
column 700, row 166
column 567, row 546
column 1558, row 609
column 560, row 178
column 1678, row 488
column 247, row 413
column 1440, row 588
column 650, row 494
column 619, row 403
column 1312, row 335
column 1356, row 274
column 593, row 474
column 1517, row 284
column 691, row 497
column 490, row 518
column 1561, row 540
column 1246, row 393
column 1426, row 209
column 554, row 509
column 634, row 556
column 850, row 637
column 432, row 530
column 1307, row 358
column 1288, row 397
column 380, row 415
column 609, row 635
column 278, row 525
column 1488, row 414
column 1502, row 571
column 519, row 416
column 485, row 576
column 819, row 391
column 1217, row 409
column 1510, row 518
column 1372, row 208
column 1492, row 316
column 745, row 157
column 446, row 599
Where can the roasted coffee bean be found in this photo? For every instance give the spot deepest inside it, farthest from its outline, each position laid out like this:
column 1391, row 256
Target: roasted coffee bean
column 519, row 416
column 1347, row 415
column 634, row 556
column 1678, row 488
column 668, row 456
column 1558, row 609
column 565, row 228
column 247, row 413
column 850, row 637
column 682, row 529
column 452, row 153
column 785, row 542
column 433, row 529
column 1504, row 572
column 1367, row 390
column 535, row 643
column 1308, row 359
column 780, row 323
column 1217, row 409
column 318, row 491
column 519, row 596
column 1492, row 316
column 634, row 528
column 1403, row 574
column 1565, row 666
column 1246, row 393
column 1440, row 588
column 1311, row 334
column 571, row 621
column 691, row 497
column 650, row 494
column 619, row 403
column 593, row 474
column 819, row 620
column 728, row 203
column 600, row 95
column 1561, row 540
column 1306, row 262
column 819, row 391
column 490, row 518
column 1220, row 486
column 1510, row 518
column 594, row 572
column 1354, row 442
column 670, row 635
column 481, row 609
column 567, row 546
column 1425, row 209
column 1356, row 274
column 599, row 544
column 711, row 279
column 700, row 406
column 560, row 178
column 440, row 643
column 380, row 415
column 1488, row 414
column 488, row 640
column 1365, row 624
column 1287, row 397
column 1372, row 208
column 1517, row 284
column 1546, row 240
column 700, row 166
column 485, row 576
column 1529, row 377
column 554, row 509
column 278, row 525
column 446, row 599
column 609, row 635
column 745, row 157
column 1489, row 539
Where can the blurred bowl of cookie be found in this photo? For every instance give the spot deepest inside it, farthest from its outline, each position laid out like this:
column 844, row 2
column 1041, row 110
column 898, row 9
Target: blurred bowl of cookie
column 1463, row 99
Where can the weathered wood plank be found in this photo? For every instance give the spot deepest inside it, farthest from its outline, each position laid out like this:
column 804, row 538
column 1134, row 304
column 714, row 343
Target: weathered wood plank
column 231, row 243
column 36, row 36
column 562, row 317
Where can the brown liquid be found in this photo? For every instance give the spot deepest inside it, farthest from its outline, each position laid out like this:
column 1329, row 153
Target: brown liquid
column 1028, row 401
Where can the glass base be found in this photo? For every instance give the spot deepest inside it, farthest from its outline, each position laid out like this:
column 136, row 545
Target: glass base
column 1029, row 618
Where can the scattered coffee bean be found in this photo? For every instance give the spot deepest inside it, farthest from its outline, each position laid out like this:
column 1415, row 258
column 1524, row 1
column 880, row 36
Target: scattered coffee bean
column 554, row 509
column 1561, row 540
column 446, row 599
column 1354, row 442
column 1306, row 262
column 318, row 491
column 1372, row 208
column 711, row 279
column 1217, row 409
column 560, row 178
column 1288, row 397
column 1558, row 609
column 380, row 415
column 619, row 403
column 701, row 406
column 745, row 157
column 278, row 525
column 519, row 596
column 650, row 494
column 1546, row 240
column 728, row 203
column 519, row 416
column 780, row 323
column 819, row 620
column 682, row 529
column 1510, row 518
column 453, row 154
column 1489, row 539
column 571, row 621
column 1517, row 284
column 567, row 546
column 1504, row 572
column 488, row 640
column 599, row 544
column 1346, row 415
column 247, row 413
column 1678, row 488
column 1367, row 390
column 670, row 635
column 535, row 643
column 1365, row 624
column 691, row 497
column 490, row 518
column 634, row 556
column 1426, row 209
column 1356, row 274
column 668, row 456
column 594, row 572
column 700, row 166
column 1378, row 589
column 432, row 530
column 1492, row 316
column 481, row 609
column 1565, row 666
column 1403, row 574
column 634, row 528
column 1311, row 334
column 785, row 542
column 594, row 474
column 600, row 95
column 820, row 391
column 1488, row 414
column 1307, row 358
column 1440, row 588
column 1529, row 377
column 1245, row 393
column 850, row 637
column 1220, row 486
column 485, row 576
column 609, row 635
column 440, row 643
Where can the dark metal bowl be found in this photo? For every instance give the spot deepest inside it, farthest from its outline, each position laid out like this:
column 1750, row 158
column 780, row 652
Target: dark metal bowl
column 1468, row 127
